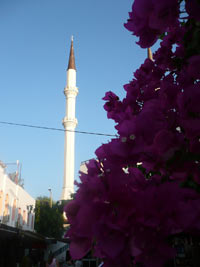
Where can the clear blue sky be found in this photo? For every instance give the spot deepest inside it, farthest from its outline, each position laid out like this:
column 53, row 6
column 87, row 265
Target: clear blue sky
column 34, row 50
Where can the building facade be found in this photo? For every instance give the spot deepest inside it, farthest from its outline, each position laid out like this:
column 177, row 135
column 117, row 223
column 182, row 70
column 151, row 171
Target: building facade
column 16, row 205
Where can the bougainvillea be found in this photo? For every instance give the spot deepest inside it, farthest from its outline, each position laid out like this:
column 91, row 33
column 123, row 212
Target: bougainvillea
column 144, row 185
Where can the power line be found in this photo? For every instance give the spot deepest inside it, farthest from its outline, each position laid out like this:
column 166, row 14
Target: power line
column 54, row 129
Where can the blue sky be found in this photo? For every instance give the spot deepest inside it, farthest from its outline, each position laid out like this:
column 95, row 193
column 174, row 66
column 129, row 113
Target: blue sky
column 34, row 50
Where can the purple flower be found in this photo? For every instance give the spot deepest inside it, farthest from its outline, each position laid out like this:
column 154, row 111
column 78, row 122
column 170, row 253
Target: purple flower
column 188, row 102
column 114, row 107
column 150, row 18
column 193, row 70
column 140, row 191
column 79, row 247
column 193, row 9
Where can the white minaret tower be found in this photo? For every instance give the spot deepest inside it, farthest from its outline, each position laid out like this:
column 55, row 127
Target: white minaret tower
column 69, row 123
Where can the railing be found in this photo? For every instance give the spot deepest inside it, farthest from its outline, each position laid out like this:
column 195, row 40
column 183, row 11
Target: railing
column 89, row 262
column 60, row 250
column 18, row 225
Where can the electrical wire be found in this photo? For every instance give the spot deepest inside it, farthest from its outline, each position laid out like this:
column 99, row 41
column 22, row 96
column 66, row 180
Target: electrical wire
column 55, row 129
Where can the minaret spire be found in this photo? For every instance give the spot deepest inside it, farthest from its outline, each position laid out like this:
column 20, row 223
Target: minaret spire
column 69, row 123
column 149, row 53
column 71, row 64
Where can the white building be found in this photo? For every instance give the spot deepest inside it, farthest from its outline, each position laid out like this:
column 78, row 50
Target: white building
column 83, row 167
column 16, row 205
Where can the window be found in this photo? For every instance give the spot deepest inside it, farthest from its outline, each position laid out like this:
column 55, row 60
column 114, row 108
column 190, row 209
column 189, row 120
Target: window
column 32, row 222
column 1, row 202
column 24, row 216
column 28, row 215
column 6, row 206
column 14, row 210
column 19, row 216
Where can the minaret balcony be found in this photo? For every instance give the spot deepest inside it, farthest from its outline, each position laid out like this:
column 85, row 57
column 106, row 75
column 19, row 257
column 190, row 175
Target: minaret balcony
column 71, row 91
column 70, row 123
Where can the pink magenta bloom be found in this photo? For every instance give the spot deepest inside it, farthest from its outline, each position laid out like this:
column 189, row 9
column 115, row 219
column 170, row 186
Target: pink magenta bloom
column 143, row 187
column 150, row 18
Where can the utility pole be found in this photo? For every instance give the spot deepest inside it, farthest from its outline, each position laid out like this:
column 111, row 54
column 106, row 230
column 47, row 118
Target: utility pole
column 50, row 203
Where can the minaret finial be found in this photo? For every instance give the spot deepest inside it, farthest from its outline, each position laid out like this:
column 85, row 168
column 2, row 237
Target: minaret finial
column 71, row 64
column 149, row 54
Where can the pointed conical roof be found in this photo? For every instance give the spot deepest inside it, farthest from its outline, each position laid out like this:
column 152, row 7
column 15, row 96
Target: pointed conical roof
column 71, row 64
column 149, row 54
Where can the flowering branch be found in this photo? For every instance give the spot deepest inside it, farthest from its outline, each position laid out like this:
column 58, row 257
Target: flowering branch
column 144, row 186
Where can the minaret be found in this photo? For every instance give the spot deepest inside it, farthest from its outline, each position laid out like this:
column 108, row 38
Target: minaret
column 69, row 123
column 149, row 54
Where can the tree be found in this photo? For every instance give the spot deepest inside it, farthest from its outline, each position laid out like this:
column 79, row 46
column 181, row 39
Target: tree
column 62, row 203
column 144, row 186
column 48, row 221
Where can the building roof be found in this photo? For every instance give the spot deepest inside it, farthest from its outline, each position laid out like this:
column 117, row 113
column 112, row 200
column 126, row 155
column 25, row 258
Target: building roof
column 26, row 236
column 71, row 64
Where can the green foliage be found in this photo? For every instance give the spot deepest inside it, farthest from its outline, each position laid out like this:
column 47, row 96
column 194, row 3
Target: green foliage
column 48, row 221
column 62, row 203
